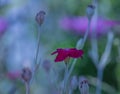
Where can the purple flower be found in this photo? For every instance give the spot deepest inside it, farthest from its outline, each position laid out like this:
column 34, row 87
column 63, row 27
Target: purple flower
column 80, row 24
column 3, row 25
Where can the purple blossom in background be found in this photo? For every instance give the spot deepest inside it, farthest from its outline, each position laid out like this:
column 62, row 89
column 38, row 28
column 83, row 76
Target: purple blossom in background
column 13, row 75
column 80, row 24
column 3, row 25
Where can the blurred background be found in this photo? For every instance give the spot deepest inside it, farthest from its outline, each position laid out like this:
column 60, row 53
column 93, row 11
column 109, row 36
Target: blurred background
column 65, row 23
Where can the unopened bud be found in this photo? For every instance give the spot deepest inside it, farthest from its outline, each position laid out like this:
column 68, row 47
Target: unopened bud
column 79, row 43
column 83, row 85
column 26, row 74
column 90, row 11
column 40, row 17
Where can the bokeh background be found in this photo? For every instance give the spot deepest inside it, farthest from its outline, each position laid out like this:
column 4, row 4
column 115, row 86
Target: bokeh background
column 18, row 41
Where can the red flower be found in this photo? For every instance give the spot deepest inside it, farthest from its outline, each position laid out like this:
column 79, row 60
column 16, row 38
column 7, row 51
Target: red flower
column 69, row 52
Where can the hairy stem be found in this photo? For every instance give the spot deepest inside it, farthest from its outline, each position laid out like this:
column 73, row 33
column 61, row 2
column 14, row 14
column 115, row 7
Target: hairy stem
column 81, row 46
column 65, row 80
column 104, row 58
column 70, row 91
column 71, row 68
column 99, row 81
column 86, row 34
column 27, row 88
column 38, row 46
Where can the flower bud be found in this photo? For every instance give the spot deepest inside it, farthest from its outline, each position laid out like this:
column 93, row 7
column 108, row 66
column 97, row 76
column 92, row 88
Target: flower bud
column 90, row 11
column 40, row 17
column 83, row 85
column 79, row 43
column 26, row 74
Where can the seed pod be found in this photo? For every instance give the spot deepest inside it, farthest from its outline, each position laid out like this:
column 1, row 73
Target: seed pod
column 90, row 11
column 40, row 17
column 26, row 74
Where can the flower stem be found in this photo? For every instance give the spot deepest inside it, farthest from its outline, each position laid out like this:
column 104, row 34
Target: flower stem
column 82, row 45
column 86, row 34
column 94, row 44
column 36, row 56
column 70, row 91
column 65, row 80
column 104, row 58
column 38, row 46
column 99, row 81
column 71, row 68
column 27, row 88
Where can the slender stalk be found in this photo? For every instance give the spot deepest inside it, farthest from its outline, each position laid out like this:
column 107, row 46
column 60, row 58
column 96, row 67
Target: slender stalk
column 99, row 81
column 86, row 34
column 68, row 73
column 104, row 58
column 119, row 48
column 82, row 45
column 38, row 46
column 95, row 2
column 94, row 44
column 36, row 57
column 70, row 91
column 103, row 62
column 27, row 88
column 65, row 80
column 71, row 68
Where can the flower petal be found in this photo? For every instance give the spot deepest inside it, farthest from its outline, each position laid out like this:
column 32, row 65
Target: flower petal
column 62, row 54
column 69, row 52
column 75, row 53
column 61, row 57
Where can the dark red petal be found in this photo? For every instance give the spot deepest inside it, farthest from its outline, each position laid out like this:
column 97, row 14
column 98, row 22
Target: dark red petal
column 57, row 51
column 62, row 54
column 54, row 52
column 60, row 57
column 75, row 53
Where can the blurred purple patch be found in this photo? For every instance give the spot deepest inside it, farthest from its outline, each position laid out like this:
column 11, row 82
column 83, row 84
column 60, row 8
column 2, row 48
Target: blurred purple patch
column 3, row 25
column 13, row 75
column 80, row 24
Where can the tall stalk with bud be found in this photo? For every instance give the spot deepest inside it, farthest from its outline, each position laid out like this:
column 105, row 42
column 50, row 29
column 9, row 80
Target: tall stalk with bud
column 99, row 64
column 66, row 54
column 27, row 73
